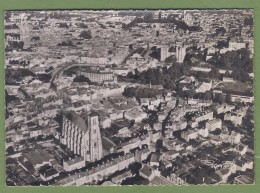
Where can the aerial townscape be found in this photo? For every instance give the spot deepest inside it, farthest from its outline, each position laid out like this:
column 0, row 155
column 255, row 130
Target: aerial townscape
column 140, row 97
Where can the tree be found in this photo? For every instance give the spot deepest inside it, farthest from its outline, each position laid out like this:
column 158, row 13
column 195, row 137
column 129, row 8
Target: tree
column 81, row 79
column 214, row 73
column 228, row 98
column 219, row 98
column 114, row 65
column 222, row 44
column 10, row 150
column 85, row 34
column 159, row 144
column 227, row 74
column 136, row 180
column 63, row 25
column 189, row 93
column 65, row 43
column 130, row 74
column 135, row 167
column 8, row 15
column 248, row 21
column 221, row 31
column 207, row 95
column 82, row 25
column 217, row 131
column 240, row 75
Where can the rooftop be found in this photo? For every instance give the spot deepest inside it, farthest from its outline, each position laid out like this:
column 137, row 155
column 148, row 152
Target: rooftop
column 37, row 157
column 77, row 120
column 160, row 180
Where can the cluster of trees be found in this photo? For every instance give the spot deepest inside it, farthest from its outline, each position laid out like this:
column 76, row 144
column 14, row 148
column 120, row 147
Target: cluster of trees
column 240, row 74
column 81, row 79
column 63, row 25
column 141, row 92
column 44, row 77
column 81, row 25
column 161, row 76
column 49, row 69
column 235, row 58
column 217, row 131
column 192, row 94
column 135, row 167
column 66, row 43
column 71, row 71
column 222, row 44
column 199, row 174
column 101, row 25
column 85, row 34
column 237, row 74
column 10, row 151
column 159, row 145
column 221, row 31
column 156, row 53
column 220, row 98
column 8, row 15
column 208, row 95
column 12, row 76
column 248, row 21
column 36, row 38
column 214, row 73
column 136, row 180
column 248, row 126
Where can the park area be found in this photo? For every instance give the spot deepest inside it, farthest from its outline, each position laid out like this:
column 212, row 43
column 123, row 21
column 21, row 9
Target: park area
column 236, row 88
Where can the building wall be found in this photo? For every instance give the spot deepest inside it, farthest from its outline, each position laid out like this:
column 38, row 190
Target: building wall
column 70, row 167
column 95, row 138
column 98, row 76
column 180, row 54
column 100, row 171
column 164, row 53
column 87, row 144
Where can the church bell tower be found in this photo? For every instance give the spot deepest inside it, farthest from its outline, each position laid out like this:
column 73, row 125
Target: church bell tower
column 94, row 137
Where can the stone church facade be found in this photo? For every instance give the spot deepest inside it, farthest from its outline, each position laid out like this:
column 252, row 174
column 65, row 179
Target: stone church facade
column 81, row 134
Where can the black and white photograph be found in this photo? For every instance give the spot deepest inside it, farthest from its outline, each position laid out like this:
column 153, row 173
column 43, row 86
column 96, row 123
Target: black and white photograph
column 129, row 97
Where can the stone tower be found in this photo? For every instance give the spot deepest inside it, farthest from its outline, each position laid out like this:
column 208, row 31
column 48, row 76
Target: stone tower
column 81, row 134
column 164, row 52
column 95, row 143
column 24, row 31
column 180, row 53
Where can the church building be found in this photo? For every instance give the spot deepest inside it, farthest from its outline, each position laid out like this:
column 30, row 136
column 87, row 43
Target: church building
column 81, row 134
